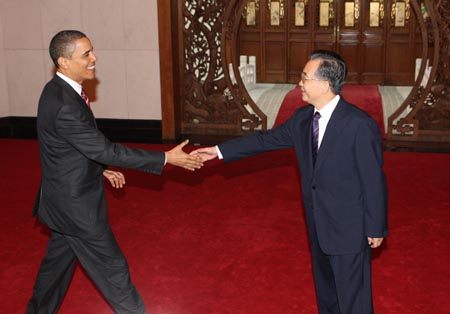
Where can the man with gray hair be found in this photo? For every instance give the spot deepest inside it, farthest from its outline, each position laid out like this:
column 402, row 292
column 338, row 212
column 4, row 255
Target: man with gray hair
column 344, row 192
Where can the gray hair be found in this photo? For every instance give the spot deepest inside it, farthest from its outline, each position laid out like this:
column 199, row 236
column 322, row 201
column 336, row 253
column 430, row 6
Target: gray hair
column 332, row 68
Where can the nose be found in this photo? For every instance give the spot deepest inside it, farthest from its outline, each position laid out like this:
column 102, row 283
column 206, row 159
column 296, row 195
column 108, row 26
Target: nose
column 93, row 56
column 300, row 83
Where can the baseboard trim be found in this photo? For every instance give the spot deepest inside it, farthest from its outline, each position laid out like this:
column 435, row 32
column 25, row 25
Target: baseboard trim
column 117, row 130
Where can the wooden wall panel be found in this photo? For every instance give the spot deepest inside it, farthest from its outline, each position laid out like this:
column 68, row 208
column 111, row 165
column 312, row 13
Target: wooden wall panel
column 350, row 53
column 298, row 53
column 377, row 54
column 252, row 48
column 275, row 61
column 372, row 55
column 170, row 96
column 401, row 62
column 372, row 63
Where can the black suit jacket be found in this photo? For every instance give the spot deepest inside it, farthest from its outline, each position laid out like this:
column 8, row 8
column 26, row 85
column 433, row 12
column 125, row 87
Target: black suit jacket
column 345, row 194
column 73, row 155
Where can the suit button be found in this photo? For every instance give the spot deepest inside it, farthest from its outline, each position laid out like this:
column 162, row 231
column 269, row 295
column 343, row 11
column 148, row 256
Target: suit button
column 313, row 187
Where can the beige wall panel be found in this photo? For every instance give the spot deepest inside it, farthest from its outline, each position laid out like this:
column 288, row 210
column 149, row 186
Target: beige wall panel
column 4, row 98
column 25, row 76
column 59, row 15
column 104, row 23
column 141, row 25
column 143, row 85
column 114, row 26
column 21, row 28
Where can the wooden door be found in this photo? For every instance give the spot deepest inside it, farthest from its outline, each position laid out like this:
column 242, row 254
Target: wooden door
column 263, row 34
column 356, row 32
column 363, row 32
column 275, row 51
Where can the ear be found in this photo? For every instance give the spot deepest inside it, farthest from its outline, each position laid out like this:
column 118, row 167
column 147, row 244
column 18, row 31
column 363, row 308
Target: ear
column 325, row 86
column 62, row 62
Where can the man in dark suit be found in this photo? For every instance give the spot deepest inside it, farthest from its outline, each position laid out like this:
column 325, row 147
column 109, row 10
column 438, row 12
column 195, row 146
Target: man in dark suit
column 71, row 200
column 344, row 190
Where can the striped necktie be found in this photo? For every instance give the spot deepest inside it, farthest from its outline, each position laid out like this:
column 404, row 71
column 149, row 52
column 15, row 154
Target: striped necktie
column 315, row 142
column 85, row 98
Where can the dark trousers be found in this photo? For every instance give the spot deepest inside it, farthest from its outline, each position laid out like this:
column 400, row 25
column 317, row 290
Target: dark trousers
column 101, row 258
column 343, row 282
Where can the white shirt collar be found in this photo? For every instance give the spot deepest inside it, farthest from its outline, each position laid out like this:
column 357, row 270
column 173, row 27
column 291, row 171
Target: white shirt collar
column 76, row 86
column 327, row 110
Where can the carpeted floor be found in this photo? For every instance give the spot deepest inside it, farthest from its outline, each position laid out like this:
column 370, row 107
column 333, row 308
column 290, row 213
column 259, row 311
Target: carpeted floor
column 269, row 98
column 230, row 238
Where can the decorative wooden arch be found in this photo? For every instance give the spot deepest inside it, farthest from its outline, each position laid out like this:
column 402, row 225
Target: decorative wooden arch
column 424, row 116
column 200, row 98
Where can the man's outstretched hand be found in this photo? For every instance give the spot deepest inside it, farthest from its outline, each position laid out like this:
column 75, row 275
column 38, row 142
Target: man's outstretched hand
column 179, row 158
column 205, row 153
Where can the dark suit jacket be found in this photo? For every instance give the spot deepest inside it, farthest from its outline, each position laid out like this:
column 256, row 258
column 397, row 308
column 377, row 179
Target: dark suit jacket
column 345, row 194
column 73, row 155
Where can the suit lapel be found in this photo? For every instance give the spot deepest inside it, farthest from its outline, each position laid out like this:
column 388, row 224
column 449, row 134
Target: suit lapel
column 306, row 137
column 74, row 95
column 67, row 88
column 334, row 128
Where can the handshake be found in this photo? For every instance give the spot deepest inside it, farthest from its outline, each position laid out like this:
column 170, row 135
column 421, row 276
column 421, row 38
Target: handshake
column 176, row 157
column 191, row 161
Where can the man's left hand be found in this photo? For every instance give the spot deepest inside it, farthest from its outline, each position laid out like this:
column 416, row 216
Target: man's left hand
column 116, row 178
column 374, row 242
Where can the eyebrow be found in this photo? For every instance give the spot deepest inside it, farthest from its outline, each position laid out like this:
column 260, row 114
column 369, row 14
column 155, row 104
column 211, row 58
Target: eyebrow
column 87, row 52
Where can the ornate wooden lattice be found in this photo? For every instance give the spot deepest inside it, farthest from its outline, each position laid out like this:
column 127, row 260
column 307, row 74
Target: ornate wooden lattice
column 425, row 114
column 211, row 103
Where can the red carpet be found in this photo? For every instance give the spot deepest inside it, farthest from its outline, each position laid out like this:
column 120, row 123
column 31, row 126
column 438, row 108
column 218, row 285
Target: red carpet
column 366, row 97
column 230, row 239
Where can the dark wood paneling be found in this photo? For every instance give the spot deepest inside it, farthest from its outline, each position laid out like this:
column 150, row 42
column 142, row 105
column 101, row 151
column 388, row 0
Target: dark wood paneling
column 168, row 47
column 401, row 62
column 249, row 44
column 375, row 55
column 298, row 53
column 350, row 52
column 372, row 63
column 275, row 61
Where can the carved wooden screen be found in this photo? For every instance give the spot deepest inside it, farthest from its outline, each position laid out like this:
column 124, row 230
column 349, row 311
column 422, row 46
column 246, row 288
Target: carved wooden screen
column 425, row 114
column 211, row 103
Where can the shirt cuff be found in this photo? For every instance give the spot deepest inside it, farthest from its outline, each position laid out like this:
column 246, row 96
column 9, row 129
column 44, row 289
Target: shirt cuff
column 219, row 154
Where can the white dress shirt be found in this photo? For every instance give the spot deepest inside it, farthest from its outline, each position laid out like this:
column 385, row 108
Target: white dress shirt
column 325, row 115
column 77, row 87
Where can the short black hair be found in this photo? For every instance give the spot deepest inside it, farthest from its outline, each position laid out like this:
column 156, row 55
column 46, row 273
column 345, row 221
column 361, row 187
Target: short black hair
column 332, row 68
column 62, row 44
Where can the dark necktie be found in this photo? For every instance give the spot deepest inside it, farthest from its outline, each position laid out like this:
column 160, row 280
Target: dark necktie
column 85, row 98
column 315, row 142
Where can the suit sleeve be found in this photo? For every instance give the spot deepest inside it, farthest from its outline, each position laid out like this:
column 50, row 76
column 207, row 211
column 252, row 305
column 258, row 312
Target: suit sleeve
column 259, row 142
column 369, row 160
column 77, row 127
